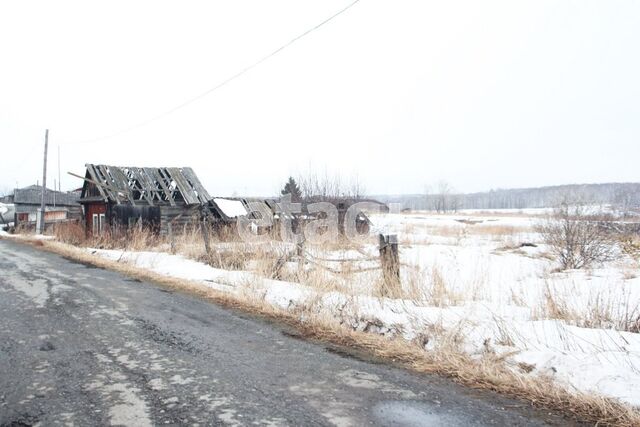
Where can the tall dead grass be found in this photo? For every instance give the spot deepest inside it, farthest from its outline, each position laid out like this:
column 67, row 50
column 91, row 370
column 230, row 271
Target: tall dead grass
column 135, row 238
column 602, row 310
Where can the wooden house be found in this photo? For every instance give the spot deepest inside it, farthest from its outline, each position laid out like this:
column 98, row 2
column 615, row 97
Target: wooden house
column 26, row 203
column 158, row 198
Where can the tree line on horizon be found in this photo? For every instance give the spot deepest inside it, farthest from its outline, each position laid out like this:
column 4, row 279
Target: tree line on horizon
column 444, row 198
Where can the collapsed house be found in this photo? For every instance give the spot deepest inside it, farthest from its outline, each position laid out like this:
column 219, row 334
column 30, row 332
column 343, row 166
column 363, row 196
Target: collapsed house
column 227, row 210
column 157, row 198
column 25, row 204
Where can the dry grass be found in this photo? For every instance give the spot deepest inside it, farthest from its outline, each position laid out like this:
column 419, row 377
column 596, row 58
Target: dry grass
column 70, row 232
column 488, row 372
column 433, row 287
column 496, row 230
column 459, row 233
column 630, row 245
column 135, row 239
column 602, row 311
column 439, row 294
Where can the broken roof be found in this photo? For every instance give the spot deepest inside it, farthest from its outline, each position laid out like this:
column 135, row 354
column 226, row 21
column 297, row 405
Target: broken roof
column 153, row 185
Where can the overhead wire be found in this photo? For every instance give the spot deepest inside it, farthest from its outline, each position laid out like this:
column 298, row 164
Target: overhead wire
column 217, row 86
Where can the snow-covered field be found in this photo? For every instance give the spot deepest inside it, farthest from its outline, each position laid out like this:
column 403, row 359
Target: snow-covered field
column 510, row 297
column 482, row 281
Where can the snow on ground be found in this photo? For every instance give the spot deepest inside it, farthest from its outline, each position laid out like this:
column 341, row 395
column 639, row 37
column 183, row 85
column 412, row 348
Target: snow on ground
column 276, row 292
column 42, row 237
column 477, row 282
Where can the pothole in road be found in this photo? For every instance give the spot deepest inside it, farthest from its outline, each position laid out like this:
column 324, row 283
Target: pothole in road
column 24, row 420
column 47, row 346
column 409, row 414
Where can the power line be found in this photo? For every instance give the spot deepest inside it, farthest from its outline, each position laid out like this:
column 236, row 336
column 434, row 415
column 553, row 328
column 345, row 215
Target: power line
column 219, row 85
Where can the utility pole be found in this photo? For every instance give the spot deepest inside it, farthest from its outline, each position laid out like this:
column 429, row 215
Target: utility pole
column 44, row 182
column 59, row 180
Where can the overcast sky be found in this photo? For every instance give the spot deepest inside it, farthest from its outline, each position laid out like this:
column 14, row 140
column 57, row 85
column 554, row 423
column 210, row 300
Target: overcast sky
column 400, row 93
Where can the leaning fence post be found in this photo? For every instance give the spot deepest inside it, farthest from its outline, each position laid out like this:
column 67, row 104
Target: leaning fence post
column 390, row 260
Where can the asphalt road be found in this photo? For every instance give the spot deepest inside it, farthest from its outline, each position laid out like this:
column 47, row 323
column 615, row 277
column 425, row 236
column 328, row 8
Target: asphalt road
column 85, row 346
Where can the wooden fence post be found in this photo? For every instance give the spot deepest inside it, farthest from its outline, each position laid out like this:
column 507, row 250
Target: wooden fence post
column 300, row 255
column 390, row 261
column 205, row 233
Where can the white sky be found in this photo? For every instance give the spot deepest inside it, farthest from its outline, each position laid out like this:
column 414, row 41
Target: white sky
column 400, row 93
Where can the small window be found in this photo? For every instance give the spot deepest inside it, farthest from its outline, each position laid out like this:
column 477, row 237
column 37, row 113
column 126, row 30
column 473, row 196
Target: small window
column 94, row 223
column 102, row 223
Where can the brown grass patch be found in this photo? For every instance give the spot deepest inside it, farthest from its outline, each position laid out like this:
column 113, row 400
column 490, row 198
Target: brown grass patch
column 496, row 230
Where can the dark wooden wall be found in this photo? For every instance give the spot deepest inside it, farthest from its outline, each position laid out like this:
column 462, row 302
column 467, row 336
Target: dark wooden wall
column 181, row 218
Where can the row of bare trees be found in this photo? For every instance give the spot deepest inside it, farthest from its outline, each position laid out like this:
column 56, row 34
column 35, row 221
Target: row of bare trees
column 442, row 198
column 314, row 186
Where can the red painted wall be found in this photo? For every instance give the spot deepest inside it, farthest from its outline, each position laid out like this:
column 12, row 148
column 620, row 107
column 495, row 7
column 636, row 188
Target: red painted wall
column 89, row 210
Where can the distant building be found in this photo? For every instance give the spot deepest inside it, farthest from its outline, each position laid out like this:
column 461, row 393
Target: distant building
column 59, row 205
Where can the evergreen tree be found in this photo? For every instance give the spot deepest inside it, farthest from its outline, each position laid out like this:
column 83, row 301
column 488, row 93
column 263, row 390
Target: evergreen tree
column 291, row 187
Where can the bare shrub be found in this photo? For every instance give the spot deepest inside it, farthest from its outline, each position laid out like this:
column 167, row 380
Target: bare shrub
column 576, row 239
column 630, row 245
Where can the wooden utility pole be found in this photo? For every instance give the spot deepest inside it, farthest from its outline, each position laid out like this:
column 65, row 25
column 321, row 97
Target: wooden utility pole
column 59, row 178
column 44, row 182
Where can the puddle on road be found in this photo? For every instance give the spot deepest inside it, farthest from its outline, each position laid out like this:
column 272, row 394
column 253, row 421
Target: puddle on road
column 409, row 414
